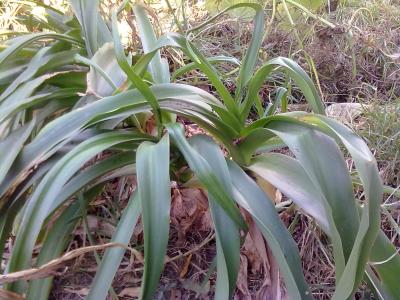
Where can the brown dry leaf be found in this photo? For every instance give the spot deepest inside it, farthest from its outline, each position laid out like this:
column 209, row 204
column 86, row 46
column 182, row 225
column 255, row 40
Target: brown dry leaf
column 260, row 261
column 271, row 288
column 130, row 292
column 188, row 209
column 7, row 295
column 243, row 289
column 185, row 268
column 255, row 249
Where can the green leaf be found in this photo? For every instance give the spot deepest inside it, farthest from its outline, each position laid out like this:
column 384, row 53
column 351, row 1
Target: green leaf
column 323, row 162
column 250, row 59
column 113, row 256
column 133, row 77
column 158, row 67
column 152, row 165
column 212, row 60
column 300, row 77
column 16, row 44
column 385, row 260
column 12, row 145
column 55, row 242
column 250, row 196
column 42, row 200
column 185, row 100
column 94, row 30
column 227, row 233
column 370, row 218
column 105, row 75
column 206, row 175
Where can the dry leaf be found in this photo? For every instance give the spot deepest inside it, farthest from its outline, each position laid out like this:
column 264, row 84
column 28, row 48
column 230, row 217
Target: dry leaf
column 130, row 292
column 187, row 211
column 7, row 295
column 186, row 266
column 243, row 290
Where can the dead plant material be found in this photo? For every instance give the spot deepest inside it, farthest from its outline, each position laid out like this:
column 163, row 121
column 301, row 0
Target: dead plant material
column 7, row 295
column 49, row 268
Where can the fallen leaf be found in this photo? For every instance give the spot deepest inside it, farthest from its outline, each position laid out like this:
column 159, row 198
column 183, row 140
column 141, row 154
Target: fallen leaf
column 186, row 266
column 7, row 295
column 130, row 292
column 242, row 286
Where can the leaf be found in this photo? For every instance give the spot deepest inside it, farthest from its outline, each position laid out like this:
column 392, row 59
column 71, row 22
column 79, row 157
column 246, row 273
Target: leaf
column 227, row 234
column 136, row 80
column 113, row 256
column 206, row 175
column 16, row 44
column 212, row 60
column 188, row 101
column 249, row 196
column 42, row 199
column 158, row 67
column 322, row 160
column 12, row 145
column 288, row 176
column 250, row 59
column 152, row 165
column 370, row 218
column 300, row 77
column 99, row 81
column 385, row 260
column 56, row 240
column 94, row 30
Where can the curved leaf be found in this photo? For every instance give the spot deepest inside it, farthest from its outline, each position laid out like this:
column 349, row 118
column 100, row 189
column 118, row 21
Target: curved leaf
column 227, row 233
column 249, row 195
column 152, row 164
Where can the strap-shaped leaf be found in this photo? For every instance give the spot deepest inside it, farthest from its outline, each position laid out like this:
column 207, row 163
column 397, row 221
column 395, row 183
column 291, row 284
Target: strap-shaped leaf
column 152, row 166
column 45, row 194
column 300, row 77
column 249, row 196
column 372, row 184
column 136, row 80
column 16, row 44
column 323, row 162
column 94, row 30
column 113, row 256
column 385, row 260
column 206, row 175
column 185, row 100
column 56, row 240
column 158, row 67
column 12, row 145
column 227, row 233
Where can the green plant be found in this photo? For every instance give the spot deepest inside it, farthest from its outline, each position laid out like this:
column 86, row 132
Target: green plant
column 43, row 170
